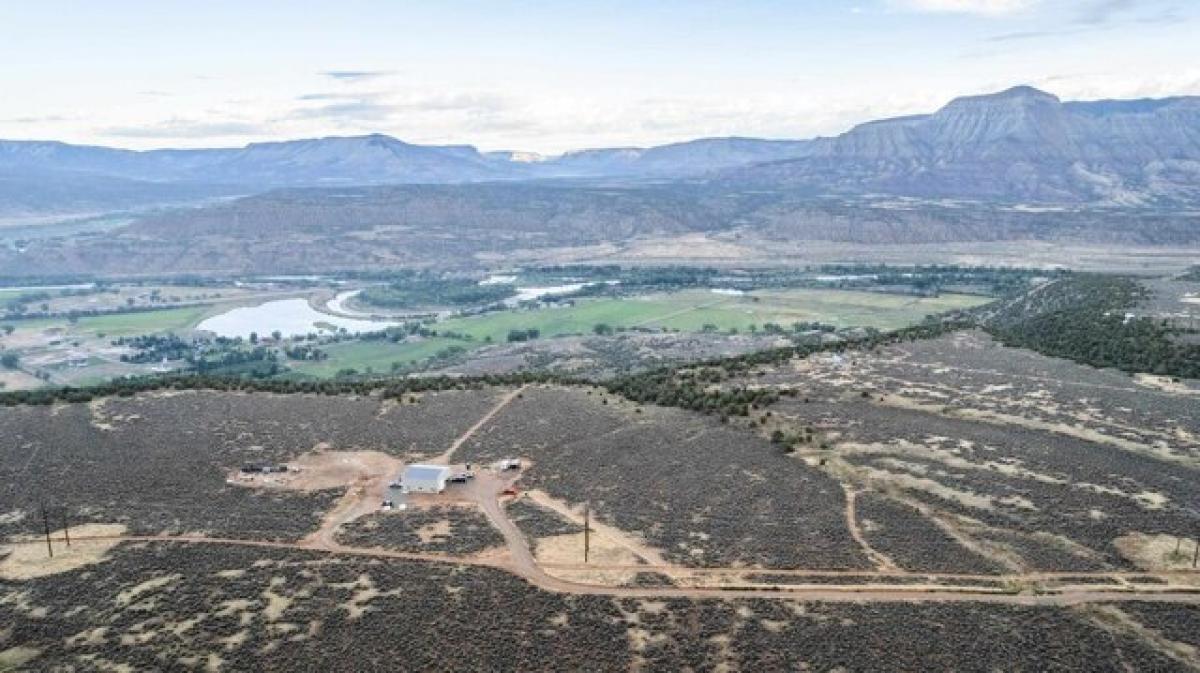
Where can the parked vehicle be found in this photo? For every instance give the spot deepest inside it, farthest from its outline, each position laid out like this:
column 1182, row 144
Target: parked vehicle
column 251, row 468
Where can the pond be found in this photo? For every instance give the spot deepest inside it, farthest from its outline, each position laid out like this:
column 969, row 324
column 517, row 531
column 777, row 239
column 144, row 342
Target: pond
column 290, row 316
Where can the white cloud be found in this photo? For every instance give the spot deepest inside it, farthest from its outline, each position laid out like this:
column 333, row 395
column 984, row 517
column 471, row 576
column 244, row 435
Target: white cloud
column 985, row 7
column 187, row 128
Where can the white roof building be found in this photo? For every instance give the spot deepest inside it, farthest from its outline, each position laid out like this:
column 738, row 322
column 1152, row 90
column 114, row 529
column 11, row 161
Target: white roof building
column 424, row 478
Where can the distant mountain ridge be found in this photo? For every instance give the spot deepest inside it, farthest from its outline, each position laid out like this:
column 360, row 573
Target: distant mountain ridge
column 1019, row 145
column 381, row 159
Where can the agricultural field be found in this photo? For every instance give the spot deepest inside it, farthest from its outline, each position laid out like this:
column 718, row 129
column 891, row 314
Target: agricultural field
column 72, row 347
column 372, row 356
column 716, row 324
column 691, row 310
column 119, row 296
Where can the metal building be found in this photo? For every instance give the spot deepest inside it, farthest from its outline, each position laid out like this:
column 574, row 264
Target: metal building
column 424, row 478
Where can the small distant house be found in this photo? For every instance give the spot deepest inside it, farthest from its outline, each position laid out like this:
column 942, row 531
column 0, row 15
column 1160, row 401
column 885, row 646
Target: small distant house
column 424, row 478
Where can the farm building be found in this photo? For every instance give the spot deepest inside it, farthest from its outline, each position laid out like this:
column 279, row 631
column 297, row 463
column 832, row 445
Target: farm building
column 424, row 478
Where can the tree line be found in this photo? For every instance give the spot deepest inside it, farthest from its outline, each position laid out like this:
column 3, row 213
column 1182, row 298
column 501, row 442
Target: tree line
column 1092, row 319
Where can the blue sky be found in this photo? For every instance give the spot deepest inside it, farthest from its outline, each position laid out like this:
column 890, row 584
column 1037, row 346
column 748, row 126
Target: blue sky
column 553, row 76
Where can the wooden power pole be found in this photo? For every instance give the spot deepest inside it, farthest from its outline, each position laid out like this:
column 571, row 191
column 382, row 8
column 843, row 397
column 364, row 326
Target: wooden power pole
column 66, row 528
column 46, row 525
column 587, row 529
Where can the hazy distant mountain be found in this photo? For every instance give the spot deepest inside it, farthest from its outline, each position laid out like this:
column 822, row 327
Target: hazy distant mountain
column 380, row 159
column 1017, row 145
column 38, row 195
column 54, row 177
column 373, row 159
column 695, row 157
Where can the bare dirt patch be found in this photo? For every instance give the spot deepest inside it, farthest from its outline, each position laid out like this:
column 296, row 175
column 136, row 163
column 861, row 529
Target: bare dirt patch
column 12, row 379
column 1165, row 384
column 323, row 469
column 611, row 535
column 25, row 557
column 603, row 551
column 130, row 595
column 364, row 475
column 1156, row 552
column 692, row 246
column 15, row 657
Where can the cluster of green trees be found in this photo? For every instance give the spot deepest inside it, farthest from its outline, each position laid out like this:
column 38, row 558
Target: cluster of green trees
column 394, row 334
column 44, row 312
column 154, row 348
column 692, row 387
column 305, row 352
column 425, row 291
column 523, row 334
column 921, row 279
column 931, row 278
column 1092, row 319
column 258, row 362
column 394, row 388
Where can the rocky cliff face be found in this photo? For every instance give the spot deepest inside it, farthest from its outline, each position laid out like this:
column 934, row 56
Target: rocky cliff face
column 1017, row 145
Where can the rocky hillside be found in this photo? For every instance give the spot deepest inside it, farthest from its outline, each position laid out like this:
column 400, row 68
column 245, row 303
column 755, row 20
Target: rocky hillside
column 1019, row 145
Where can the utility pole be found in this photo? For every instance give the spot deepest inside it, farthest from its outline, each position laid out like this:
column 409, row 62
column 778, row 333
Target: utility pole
column 587, row 529
column 46, row 525
column 1196, row 553
column 66, row 528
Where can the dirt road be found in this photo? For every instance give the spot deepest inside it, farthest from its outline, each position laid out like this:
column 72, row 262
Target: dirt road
column 448, row 454
column 881, row 560
column 833, row 592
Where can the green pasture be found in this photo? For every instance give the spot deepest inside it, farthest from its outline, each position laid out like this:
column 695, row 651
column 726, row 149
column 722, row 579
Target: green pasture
column 683, row 311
